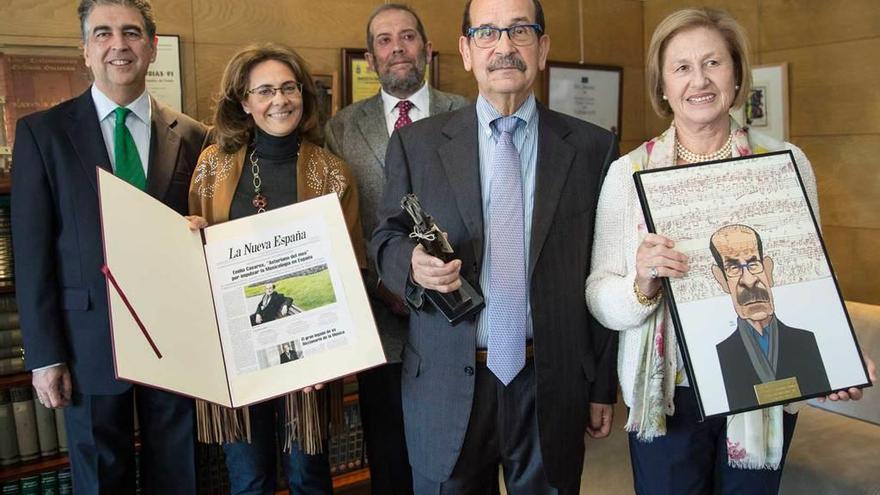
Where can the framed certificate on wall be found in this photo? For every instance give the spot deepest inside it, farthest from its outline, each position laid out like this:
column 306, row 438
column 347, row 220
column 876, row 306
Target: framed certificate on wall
column 164, row 79
column 593, row 93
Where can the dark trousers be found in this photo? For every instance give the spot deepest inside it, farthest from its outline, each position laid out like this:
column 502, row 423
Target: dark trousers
column 692, row 456
column 381, row 408
column 503, row 429
column 252, row 466
column 100, row 433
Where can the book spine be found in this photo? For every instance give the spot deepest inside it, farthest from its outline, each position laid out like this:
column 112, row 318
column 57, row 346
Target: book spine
column 13, row 351
column 46, row 432
column 10, row 337
column 11, row 488
column 8, row 439
column 61, row 429
column 10, row 366
column 30, row 485
column 25, row 423
column 65, row 483
column 7, row 304
column 9, row 320
column 49, row 483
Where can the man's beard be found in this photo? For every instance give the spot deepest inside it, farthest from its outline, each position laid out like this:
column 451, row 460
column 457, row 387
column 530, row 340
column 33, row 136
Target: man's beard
column 410, row 82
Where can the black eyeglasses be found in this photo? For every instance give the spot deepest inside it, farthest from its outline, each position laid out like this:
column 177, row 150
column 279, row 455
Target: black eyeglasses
column 267, row 92
column 519, row 34
column 734, row 269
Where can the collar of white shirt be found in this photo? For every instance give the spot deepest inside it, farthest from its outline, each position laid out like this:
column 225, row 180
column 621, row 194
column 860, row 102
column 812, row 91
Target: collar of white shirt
column 140, row 107
column 420, row 100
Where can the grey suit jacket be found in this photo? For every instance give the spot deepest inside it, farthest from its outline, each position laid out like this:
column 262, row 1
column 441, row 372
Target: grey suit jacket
column 358, row 134
column 438, row 159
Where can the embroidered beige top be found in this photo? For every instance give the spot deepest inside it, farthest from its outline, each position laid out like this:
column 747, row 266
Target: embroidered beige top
column 309, row 417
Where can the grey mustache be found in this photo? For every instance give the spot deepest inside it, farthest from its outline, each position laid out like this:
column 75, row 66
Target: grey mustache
column 507, row 62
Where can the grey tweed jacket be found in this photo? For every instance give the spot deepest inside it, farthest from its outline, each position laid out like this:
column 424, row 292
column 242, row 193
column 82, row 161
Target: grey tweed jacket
column 358, row 134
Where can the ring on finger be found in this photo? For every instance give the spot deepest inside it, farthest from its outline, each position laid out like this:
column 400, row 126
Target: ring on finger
column 653, row 272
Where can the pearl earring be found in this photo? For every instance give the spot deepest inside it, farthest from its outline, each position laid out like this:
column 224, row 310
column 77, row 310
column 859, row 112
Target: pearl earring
column 664, row 97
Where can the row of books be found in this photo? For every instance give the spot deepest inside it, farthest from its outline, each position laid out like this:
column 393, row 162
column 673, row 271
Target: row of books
column 346, row 450
column 28, row 430
column 47, row 483
column 5, row 243
column 11, row 350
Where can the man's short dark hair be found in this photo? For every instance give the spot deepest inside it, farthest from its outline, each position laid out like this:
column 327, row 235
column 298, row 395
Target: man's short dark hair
column 466, row 18
column 394, row 6
column 145, row 7
column 715, row 254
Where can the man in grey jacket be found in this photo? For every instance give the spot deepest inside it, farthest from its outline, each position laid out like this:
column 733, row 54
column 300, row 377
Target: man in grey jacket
column 399, row 51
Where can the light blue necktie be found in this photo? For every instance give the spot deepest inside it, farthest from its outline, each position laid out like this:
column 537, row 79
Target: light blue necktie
column 507, row 266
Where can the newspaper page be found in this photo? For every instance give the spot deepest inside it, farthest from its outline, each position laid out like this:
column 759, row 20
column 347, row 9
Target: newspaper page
column 283, row 291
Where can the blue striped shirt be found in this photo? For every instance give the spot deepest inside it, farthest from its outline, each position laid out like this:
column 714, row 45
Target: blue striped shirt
column 525, row 138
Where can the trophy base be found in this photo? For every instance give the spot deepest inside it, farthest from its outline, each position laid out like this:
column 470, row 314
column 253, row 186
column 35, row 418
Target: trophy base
column 458, row 305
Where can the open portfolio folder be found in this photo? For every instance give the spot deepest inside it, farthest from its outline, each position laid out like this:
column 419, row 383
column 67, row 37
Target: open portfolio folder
column 239, row 312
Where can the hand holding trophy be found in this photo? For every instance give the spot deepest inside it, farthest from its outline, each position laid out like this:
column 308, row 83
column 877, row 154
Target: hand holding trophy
column 455, row 305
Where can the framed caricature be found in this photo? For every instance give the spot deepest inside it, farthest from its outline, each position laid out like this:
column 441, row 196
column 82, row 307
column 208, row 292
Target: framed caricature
column 360, row 82
column 759, row 316
column 589, row 92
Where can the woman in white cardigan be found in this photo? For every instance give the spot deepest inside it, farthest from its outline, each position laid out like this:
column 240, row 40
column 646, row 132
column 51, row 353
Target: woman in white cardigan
column 697, row 70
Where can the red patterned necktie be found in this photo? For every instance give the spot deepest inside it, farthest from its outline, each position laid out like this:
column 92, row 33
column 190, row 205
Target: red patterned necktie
column 403, row 108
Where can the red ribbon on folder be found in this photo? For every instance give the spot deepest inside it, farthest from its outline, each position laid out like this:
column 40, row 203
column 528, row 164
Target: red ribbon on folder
column 106, row 270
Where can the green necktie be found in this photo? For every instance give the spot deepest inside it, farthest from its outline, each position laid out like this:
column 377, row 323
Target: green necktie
column 128, row 161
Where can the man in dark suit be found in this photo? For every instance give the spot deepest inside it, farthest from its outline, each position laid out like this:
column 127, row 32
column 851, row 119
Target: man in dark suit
column 58, row 249
column 762, row 349
column 271, row 306
column 515, row 186
column 400, row 53
column 287, row 354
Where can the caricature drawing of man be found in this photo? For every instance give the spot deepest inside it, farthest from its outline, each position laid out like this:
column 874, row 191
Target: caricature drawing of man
column 762, row 349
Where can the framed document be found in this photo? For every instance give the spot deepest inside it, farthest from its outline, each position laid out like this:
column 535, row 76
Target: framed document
column 766, row 108
column 164, row 79
column 759, row 316
column 327, row 86
column 239, row 312
column 589, row 92
column 359, row 82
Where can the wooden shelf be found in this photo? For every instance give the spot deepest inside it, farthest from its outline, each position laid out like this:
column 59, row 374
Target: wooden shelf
column 16, row 380
column 5, row 184
column 30, row 468
column 351, row 479
column 7, row 288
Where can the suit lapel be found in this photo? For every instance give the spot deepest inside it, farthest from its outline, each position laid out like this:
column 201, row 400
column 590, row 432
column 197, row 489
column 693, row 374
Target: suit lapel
column 461, row 161
column 372, row 126
column 555, row 157
column 84, row 131
column 164, row 147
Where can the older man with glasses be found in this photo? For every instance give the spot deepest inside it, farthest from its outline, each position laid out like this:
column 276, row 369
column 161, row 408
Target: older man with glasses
column 515, row 187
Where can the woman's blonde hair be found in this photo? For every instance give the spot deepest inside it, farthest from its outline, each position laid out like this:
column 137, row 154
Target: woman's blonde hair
column 722, row 22
column 233, row 128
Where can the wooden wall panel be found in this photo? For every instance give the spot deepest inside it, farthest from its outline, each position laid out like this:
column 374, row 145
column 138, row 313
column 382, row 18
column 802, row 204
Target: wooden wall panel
column 744, row 11
column 848, row 178
column 789, row 24
column 299, row 23
column 831, row 87
column 853, row 254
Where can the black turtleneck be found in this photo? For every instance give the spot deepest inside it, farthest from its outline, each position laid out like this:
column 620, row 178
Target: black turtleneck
column 276, row 157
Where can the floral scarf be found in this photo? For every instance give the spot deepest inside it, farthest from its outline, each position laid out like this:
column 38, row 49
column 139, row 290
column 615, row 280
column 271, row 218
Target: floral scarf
column 754, row 438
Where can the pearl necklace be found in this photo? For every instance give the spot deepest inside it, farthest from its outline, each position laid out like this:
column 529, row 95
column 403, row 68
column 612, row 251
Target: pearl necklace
column 688, row 156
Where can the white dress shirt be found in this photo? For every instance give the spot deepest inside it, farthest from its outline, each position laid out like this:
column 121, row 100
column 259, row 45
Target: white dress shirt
column 138, row 124
column 421, row 106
